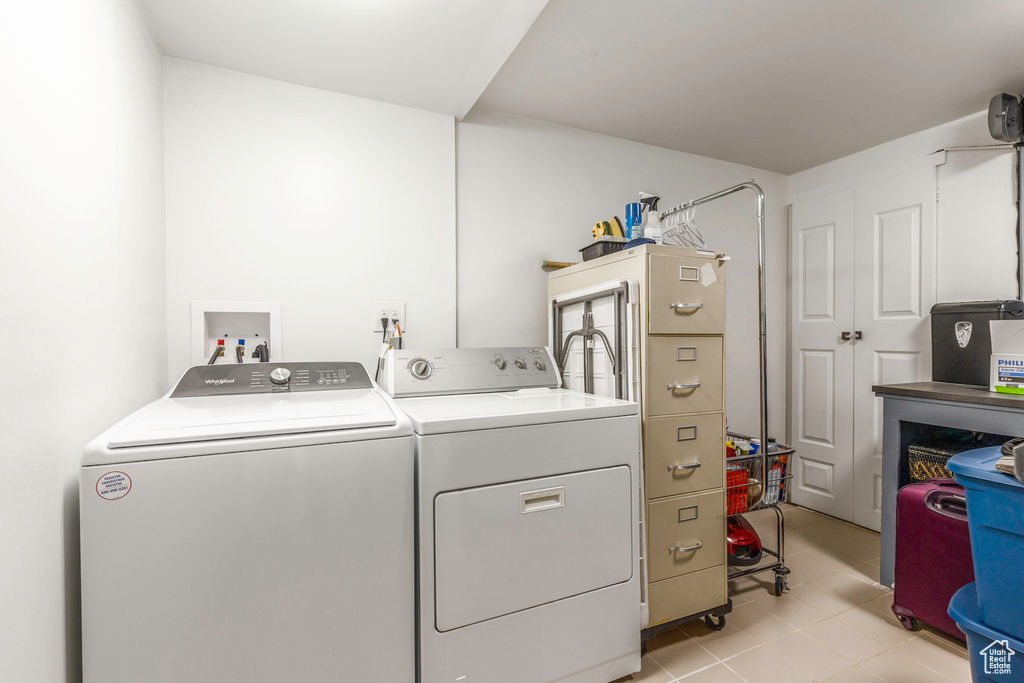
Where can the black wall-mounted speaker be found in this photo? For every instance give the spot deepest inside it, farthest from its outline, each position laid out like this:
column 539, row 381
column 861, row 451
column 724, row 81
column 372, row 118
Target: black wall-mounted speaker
column 1004, row 118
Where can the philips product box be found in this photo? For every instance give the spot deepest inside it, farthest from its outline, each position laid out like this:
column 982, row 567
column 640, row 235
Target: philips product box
column 1006, row 369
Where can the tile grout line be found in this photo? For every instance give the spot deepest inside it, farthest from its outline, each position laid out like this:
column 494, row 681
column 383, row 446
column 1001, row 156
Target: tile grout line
column 921, row 664
column 925, row 665
column 736, row 672
column 697, row 671
column 670, row 674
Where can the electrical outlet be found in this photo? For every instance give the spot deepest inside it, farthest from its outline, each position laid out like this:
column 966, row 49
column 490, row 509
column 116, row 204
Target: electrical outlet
column 390, row 310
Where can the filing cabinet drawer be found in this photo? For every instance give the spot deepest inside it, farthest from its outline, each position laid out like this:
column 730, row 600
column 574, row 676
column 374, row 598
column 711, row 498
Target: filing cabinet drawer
column 683, row 454
column 684, row 375
column 685, row 595
column 685, row 534
column 687, row 295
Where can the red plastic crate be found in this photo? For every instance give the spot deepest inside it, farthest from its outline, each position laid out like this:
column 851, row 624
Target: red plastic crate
column 737, row 496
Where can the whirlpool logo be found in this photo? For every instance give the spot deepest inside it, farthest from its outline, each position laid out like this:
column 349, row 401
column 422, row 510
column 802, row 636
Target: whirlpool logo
column 220, row 381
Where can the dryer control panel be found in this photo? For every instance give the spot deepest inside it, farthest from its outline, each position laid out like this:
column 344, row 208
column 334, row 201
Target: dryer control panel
column 434, row 372
column 269, row 378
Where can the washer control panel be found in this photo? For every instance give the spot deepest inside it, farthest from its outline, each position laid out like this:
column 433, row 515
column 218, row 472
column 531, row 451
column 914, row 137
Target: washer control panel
column 270, row 378
column 432, row 372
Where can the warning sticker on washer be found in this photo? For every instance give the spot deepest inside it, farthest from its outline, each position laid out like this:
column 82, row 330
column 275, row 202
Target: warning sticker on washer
column 707, row 275
column 114, row 485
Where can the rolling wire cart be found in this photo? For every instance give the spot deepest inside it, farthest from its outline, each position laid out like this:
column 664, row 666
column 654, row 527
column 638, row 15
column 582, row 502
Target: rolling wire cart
column 764, row 477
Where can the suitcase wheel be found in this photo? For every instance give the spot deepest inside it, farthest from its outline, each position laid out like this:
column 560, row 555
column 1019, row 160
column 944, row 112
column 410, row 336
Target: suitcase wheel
column 910, row 623
column 715, row 621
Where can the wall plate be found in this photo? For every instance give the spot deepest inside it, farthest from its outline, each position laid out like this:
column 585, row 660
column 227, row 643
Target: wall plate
column 390, row 310
column 254, row 322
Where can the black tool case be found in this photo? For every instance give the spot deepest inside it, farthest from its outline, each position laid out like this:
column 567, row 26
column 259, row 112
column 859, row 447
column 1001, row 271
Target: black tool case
column 961, row 341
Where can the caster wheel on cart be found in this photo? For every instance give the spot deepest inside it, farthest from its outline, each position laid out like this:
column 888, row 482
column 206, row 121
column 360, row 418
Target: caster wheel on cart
column 715, row 621
column 910, row 623
column 780, row 584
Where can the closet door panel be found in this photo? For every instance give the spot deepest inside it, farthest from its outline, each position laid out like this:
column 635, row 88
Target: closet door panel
column 821, row 420
column 895, row 290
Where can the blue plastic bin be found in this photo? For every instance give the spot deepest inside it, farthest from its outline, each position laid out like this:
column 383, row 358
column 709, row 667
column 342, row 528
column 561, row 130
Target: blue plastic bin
column 995, row 516
column 995, row 657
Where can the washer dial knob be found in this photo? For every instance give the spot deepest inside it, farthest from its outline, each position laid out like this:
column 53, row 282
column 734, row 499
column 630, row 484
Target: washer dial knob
column 520, row 363
column 420, row 368
column 280, row 375
column 540, row 365
column 501, row 363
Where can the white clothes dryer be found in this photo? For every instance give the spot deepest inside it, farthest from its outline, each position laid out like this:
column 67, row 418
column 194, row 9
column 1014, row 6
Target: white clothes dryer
column 528, row 508
column 254, row 525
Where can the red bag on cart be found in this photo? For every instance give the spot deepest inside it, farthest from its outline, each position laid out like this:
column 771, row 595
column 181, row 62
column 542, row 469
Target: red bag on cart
column 933, row 553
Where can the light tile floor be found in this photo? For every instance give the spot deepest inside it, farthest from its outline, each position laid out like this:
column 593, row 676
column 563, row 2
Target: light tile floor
column 833, row 624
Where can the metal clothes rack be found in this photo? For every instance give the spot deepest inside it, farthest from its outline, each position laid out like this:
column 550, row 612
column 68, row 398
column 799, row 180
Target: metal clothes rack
column 762, row 456
column 762, row 300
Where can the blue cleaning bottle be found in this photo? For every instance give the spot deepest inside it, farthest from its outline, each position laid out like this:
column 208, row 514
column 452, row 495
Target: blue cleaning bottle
column 634, row 218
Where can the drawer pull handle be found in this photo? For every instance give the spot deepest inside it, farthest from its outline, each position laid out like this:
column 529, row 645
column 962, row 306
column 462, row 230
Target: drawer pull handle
column 687, row 549
column 672, row 468
column 673, row 387
column 677, row 306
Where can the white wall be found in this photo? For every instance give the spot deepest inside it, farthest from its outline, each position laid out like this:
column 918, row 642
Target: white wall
column 82, row 292
column 976, row 214
column 322, row 202
column 530, row 191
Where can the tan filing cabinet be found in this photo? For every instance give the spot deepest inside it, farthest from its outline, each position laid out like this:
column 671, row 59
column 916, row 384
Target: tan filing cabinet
column 679, row 335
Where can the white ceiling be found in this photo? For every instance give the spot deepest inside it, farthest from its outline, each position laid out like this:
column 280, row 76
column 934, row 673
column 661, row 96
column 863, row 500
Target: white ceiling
column 777, row 84
column 436, row 55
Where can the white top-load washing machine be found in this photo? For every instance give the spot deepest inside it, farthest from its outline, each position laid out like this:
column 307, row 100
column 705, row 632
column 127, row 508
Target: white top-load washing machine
column 528, row 504
column 254, row 525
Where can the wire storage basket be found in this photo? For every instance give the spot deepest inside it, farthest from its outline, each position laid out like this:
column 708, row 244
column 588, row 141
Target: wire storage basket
column 744, row 483
column 744, row 480
column 927, row 463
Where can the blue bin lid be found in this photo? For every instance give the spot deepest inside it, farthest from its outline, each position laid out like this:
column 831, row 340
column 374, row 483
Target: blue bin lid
column 966, row 613
column 981, row 464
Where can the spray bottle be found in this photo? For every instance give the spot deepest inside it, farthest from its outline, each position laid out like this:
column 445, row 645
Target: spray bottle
column 652, row 227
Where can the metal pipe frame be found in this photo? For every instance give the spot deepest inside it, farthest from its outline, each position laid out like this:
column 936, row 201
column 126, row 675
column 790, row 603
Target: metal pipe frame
column 622, row 342
column 762, row 300
column 587, row 333
column 977, row 148
column 1020, row 194
column 1020, row 222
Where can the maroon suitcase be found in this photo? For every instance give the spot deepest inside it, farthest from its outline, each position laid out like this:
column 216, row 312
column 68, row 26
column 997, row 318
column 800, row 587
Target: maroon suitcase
column 933, row 553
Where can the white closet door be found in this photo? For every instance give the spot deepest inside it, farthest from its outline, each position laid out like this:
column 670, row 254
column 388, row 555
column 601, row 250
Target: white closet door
column 895, row 290
column 821, row 422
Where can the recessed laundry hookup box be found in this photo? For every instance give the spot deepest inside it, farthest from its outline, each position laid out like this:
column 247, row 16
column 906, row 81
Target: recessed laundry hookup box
column 1006, row 370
